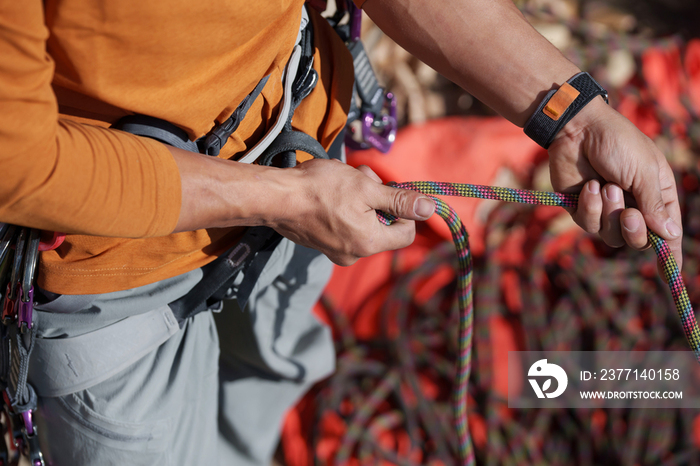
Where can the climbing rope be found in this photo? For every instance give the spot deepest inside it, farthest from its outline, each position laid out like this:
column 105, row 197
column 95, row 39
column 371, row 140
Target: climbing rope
column 464, row 281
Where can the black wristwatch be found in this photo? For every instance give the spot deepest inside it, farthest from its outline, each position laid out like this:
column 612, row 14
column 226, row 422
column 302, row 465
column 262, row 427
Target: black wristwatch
column 560, row 105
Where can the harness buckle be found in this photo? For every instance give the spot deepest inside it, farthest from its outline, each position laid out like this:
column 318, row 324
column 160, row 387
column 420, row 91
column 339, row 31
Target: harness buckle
column 239, row 254
column 213, row 141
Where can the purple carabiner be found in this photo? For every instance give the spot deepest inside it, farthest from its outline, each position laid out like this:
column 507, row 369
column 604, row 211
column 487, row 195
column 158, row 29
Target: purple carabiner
column 28, row 423
column 31, row 439
column 384, row 140
column 26, row 310
column 381, row 141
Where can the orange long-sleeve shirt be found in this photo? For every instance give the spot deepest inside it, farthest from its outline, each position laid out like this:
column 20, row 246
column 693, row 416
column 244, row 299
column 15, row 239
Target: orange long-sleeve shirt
column 71, row 68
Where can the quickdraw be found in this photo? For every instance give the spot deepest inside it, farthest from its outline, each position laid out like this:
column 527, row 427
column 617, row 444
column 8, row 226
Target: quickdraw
column 464, row 281
column 19, row 253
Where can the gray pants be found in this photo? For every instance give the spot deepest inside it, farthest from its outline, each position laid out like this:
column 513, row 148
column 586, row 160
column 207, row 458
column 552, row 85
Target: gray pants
column 215, row 392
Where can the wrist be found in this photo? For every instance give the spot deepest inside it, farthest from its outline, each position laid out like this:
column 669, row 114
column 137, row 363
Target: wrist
column 217, row 193
column 562, row 105
column 587, row 118
column 281, row 197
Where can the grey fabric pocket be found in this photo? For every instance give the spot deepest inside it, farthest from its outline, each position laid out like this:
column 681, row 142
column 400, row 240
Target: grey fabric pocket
column 81, row 435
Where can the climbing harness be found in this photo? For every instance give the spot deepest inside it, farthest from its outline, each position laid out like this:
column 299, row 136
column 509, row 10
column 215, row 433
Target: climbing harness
column 277, row 148
column 464, row 282
column 63, row 366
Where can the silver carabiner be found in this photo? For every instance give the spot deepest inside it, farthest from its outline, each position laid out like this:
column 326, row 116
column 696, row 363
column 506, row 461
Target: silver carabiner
column 26, row 298
column 7, row 233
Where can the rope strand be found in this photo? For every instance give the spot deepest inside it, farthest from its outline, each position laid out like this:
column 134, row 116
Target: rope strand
column 464, row 281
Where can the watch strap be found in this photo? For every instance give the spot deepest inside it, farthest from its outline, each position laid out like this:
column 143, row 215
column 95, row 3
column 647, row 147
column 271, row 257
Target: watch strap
column 560, row 105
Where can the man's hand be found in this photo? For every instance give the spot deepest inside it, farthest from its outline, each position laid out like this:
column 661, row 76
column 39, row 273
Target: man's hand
column 488, row 48
column 335, row 211
column 604, row 156
column 321, row 204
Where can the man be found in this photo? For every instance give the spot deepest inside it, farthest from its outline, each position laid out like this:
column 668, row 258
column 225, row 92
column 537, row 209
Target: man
column 144, row 219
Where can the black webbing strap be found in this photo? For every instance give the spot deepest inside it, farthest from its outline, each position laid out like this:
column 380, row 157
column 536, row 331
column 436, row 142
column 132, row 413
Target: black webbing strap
column 542, row 129
column 217, row 137
column 250, row 255
column 155, row 128
column 168, row 133
column 289, row 141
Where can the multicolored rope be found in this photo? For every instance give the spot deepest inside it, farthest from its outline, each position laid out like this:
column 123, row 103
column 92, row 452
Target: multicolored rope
column 678, row 291
column 464, row 289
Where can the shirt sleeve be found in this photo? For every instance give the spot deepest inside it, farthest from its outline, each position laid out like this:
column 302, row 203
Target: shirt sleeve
column 65, row 176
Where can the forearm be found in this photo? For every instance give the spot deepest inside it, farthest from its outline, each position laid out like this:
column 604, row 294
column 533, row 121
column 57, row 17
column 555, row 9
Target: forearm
column 485, row 46
column 60, row 175
column 322, row 204
column 222, row 193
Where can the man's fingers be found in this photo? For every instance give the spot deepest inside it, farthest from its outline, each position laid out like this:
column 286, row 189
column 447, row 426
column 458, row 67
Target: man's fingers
column 613, row 205
column 634, row 231
column 404, row 203
column 401, row 203
column 653, row 208
column 590, row 207
column 398, row 235
column 661, row 215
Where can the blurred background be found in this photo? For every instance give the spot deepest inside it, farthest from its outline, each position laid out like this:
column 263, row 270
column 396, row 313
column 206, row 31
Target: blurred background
column 540, row 282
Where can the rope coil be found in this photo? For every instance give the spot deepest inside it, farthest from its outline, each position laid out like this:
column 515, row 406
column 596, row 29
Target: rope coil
column 464, row 282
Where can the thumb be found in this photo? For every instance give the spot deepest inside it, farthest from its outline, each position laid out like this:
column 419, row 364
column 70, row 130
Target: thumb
column 656, row 215
column 404, row 203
